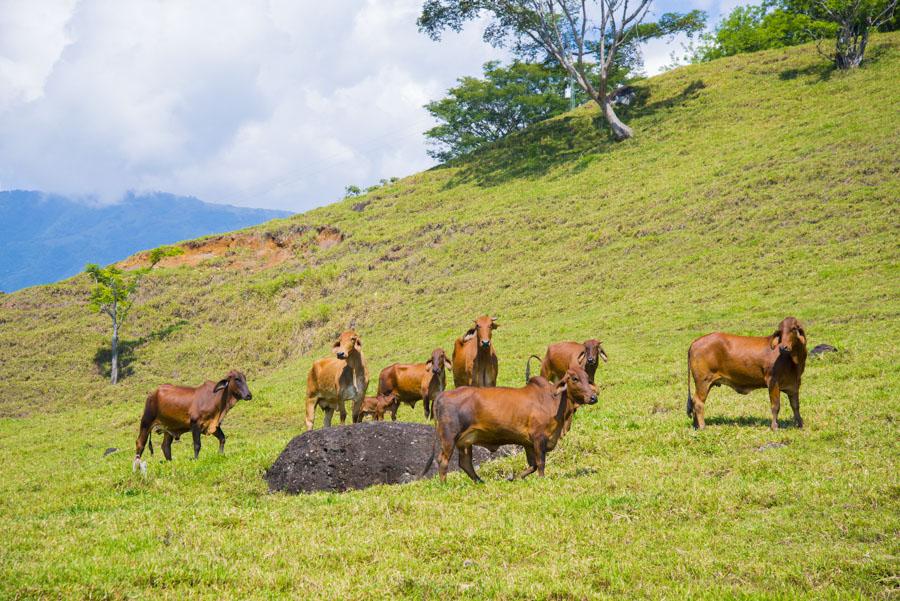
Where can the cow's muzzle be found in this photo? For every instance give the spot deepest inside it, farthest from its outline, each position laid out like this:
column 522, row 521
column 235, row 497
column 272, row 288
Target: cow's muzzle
column 784, row 350
column 341, row 355
column 592, row 400
column 485, row 343
column 249, row 396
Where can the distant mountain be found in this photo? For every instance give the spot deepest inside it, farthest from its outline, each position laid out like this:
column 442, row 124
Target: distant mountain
column 47, row 237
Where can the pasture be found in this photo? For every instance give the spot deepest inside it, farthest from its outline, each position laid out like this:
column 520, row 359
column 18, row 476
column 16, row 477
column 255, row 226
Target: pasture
column 756, row 187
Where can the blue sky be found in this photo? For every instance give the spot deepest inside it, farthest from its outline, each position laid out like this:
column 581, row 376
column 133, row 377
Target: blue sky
column 268, row 103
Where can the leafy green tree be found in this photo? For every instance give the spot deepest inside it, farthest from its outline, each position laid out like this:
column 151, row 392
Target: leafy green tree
column 480, row 111
column 853, row 21
column 351, row 191
column 759, row 27
column 585, row 38
column 113, row 295
column 778, row 23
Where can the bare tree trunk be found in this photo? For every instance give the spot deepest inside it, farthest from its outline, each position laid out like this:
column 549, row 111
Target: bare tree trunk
column 620, row 130
column 114, row 364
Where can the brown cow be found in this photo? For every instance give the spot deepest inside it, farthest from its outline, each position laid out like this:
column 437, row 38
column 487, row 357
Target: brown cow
column 334, row 380
column 532, row 416
column 746, row 363
column 174, row 410
column 474, row 359
column 561, row 354
column 376, row 406
column 415, row 381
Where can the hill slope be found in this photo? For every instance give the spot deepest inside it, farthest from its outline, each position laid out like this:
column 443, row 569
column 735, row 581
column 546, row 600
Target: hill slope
column 757, row 186
column 48, row 237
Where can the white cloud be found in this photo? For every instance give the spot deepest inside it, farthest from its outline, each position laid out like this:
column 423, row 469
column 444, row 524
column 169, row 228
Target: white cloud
column 265, row 103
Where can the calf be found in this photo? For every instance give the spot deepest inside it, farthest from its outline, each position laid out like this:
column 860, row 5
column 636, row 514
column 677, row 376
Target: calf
column 416, row 381
column 474, row 359
column 174, row 410
column 376, row 406
column 561, row 354
column 746, row 363
column 533, row 416
column 334, row 380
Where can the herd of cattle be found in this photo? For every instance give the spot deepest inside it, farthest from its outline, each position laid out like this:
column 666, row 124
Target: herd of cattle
column 477, row 411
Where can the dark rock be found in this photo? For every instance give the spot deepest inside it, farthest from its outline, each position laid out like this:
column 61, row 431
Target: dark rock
column 110, row 451
column 360, row 455
column 821, row 349
column 623, row 96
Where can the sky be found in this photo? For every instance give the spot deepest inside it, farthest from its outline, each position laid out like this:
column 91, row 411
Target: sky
column 262, row 103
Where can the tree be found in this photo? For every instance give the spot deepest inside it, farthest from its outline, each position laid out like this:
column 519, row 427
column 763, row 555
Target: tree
column 351, row 191
column 854, row 21
column 759, row 27
column 480, row 111
column 113, row 292
column 579, row 36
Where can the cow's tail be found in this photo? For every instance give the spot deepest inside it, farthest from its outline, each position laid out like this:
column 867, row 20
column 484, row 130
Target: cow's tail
column 690, row 400
column 528, row 367
column 150, row 440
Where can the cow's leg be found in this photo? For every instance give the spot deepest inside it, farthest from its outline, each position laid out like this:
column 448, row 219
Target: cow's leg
column 221, row 436
column 700, row 393
column 329, row 412
column 167, row 446
column 310, row 412
column 540, row 454
column 343, row 410
column 795, row 407
column 195, row 434
column 394, row 409
column 426, row 405
column 465, row 463
column 444, row 457
column 141, row 442
column 775, row 402
column 357, row 406
column 532, row 464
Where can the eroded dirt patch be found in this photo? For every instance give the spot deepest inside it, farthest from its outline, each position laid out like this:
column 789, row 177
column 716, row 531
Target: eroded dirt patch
column 360, row 455
column 261, row 251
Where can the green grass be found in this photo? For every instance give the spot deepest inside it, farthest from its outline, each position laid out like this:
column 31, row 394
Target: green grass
column 756, row 187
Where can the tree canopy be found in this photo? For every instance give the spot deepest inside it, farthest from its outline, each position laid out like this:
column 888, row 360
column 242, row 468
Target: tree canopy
column 479, row 111
column 587, row 39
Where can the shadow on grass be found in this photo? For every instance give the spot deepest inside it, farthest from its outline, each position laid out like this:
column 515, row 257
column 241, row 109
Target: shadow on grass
column 746, row 420
column 823, row 71
column 575, row 137
column 818, row 72
column 103, row 356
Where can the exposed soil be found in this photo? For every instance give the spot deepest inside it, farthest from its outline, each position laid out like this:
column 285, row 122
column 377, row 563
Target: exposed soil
column 244, row 250
column 350, row 457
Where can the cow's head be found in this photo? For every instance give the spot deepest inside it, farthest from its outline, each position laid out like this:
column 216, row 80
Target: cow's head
column 484, row 325
column 593, row 351
column 438, row 361
column 577, row 386
column 790, row 339
column 348, row 342
column 236, row 384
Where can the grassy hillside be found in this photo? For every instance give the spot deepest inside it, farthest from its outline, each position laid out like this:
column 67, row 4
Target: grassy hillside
column 756, row 187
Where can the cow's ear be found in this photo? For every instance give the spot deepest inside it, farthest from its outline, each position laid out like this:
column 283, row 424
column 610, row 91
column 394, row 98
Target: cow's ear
column 581, row 358
column 447, row 363
column 494, row 324
column 430, row 363
column 358, row 342
column 220, row 385
column 775, row 339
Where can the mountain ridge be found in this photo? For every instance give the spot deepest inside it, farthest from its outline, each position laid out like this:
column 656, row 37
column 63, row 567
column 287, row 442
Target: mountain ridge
column 51, row 236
